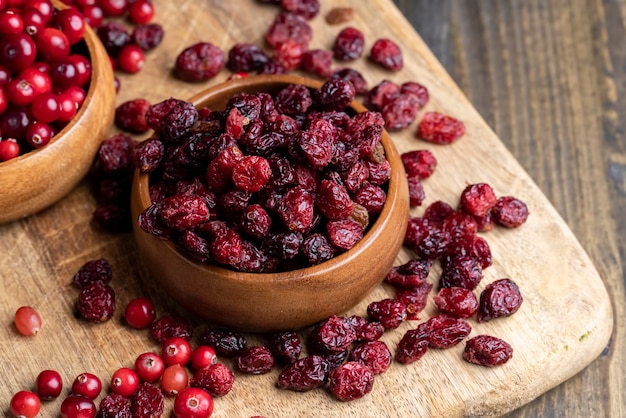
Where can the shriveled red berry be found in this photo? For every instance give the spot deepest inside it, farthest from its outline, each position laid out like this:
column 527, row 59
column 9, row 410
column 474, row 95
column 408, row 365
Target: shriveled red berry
column 456, row 301
column 421, row 163
column 96, row 302
column 417, row 90
column 389, row 312
column 227, row 343
column 415, row 299
column 91, row 271
column 171, row 326
column 251, row 173
column 509, row 211
column 288, row 55
column 296, row 209
column 255, row 360
column 317, row 61
column 500, row 298
column 289, row 26
column 349, row 44
column 114, row 405
column 285, row 346
column 400, row 111
column 334, row 334
column 486, row 350
column 462, row 271
column 245, row 57
column 374, row 354
column 388, row 54
column 148, row 36
column 446, row 331
column 131, row 115
column 411, row 274
column 413, row 345
column 344, row 233
column 333, row 200
column 354, row 77
column 478, row 199
column 350, row 381
column 216, row 379
column 308, row 9
column 199, row 62
column 304, row 374
column 147, row 402
column 439, row 128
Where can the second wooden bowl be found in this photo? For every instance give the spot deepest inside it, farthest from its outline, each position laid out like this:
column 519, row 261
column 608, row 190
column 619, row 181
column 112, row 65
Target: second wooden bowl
column 286, row 300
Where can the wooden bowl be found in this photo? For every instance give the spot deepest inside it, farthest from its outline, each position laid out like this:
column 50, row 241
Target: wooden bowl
column 39, row 178
column 280, row 301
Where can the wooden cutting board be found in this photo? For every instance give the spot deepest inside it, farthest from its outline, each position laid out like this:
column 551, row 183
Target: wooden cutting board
column 564, row 323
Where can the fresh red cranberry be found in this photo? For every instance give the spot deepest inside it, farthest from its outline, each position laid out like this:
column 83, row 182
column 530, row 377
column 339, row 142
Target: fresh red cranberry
column 45, row 108
column 202, row 356
column 67, row 107
column 124, row 381
column 149, row 367
column 71, row 22
column 9, row 149
column 78, row 406
column 174, row 380
column 88, row 385
column 193, row 403
column 34, row 22
column 17, row 52
column 114, row 8
column 52, row 44
column 39, row 134
column 83, row 69
column 131, row 59
column 27, row 320
column 25, row 404
column 141, row 12
column 93, row 15
column 48, row 385
column 140, row 313
column 10, row 23
column 486, row 350
column 45, row 7
column 176, row 350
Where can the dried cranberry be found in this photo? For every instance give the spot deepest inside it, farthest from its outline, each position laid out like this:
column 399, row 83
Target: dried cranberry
column 246, row 57
column 380, row 94
column 96, row 302
column 92, row 271
column 148, row 36
column 172, row 118
column 462, row 271
column 216, row 379
column 446, row 331
column 318, row 62
column 354, row 77
column 416, row 191
column 425, row 238
column 308, row 9
column 316, row 249
column 500, row 298
column 314, row 146
column 199, row 62
column 486, row 350
column 288, row 55
column 420, row 163
column 184, row 212
column 344, row 233
column 296, row 209
column 470, row 245
column 350, row 381
column 335, row 94
column 305, row 374
column 147, row 402
column 255, row 360
column 456, row 301
column 388, row 54
column 417, row 90
column 413, row 345
column 333, row 335
column 389, row 312
column 114, row 405
column 285, row 346
column 374, row 354
column 115, row 155
column 366, row 330
column 169, row 326
column 437, row 212
column 414, row 299
column 294, row 99
column 400, row 111
column 148, row 155
column 251, row 173
column 349, row 44
column 131, row 115
column 478, row 199
column 113, row 218
column 333, row 200
column 196, row 246
column 225, row 342
column 439, row 128
column 289, row 26
column 510, row 212
column 411, row 274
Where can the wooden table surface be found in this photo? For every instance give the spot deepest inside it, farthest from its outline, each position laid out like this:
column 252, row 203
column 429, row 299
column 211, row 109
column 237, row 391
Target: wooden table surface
column 549, row 76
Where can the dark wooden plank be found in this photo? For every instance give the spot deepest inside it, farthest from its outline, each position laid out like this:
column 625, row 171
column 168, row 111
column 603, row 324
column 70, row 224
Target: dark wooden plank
column 550, row 78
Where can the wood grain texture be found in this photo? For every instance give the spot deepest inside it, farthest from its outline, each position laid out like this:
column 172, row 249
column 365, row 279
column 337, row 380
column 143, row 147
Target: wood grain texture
column 550, row 78
column 563, row 325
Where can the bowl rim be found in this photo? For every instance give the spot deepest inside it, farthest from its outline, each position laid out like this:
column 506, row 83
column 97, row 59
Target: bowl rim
column 141, row 180
column 89, row 37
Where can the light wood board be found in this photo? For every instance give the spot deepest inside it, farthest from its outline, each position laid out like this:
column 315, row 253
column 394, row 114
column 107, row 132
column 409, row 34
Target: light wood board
column 564, row 323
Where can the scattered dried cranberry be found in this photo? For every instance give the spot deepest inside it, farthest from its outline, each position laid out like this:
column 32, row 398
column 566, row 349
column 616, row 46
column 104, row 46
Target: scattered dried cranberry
column 285, row 346
column 168, row 326
column 115, row 156
column 413, row 345
column 225, row 342
column 510, row 211
column 354, row 77
column 131, row 116
column 255, row 360
column 456, row 301
column 147, row 402
column 318, row 62
column 148, row 36
column 216, row 379
column 446, row 331
column 486, row 350
column 350, row 381
column 96, row 302
column 439, row 128
column 333, row 335
column 500, row 298
column 374, row 354
column 305, row 374
column 114, row 405
column 420, row 163
column 414, row 298
column 91, row 271
column 246, row 57
column 199, row 62
column 366, row 330
column 416, row 191
column 462, row 271
column 289, row 26
column 388, row 54
column 389, row 312
column 308, row 9
column 349, row 44
column 411, row 274
column 478, row 199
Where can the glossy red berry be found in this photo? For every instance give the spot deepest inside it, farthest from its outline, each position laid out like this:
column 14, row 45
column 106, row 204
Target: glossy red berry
column 25, row 404
column 48, row 385
column 39, row 134
column 71, row 22
column 149, row 367
column 27, row 319
column 10, row 23
column 176, row 350
column 113, row 8
column 140, row 313
column 17, row 51
column 33, row 20
column 52, row 44
column 9, row 149
column 78, row 406
column 131, row 59
column 88, row 385
column 174, row 380
column 124, row 382
column 141, row 12
column 45, row 107
column 202, row 356
column 193, row 403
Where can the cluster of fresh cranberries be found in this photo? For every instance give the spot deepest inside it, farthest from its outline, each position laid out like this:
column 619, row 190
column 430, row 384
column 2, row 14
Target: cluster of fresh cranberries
column 44, row 73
